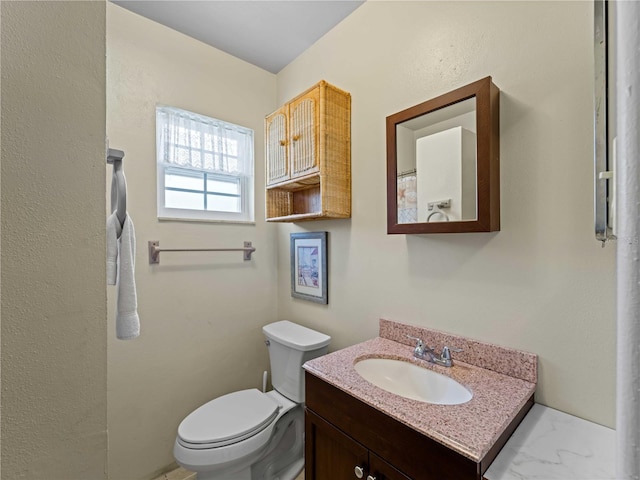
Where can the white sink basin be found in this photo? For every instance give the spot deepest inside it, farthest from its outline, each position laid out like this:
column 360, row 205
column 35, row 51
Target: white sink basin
column 411, row 381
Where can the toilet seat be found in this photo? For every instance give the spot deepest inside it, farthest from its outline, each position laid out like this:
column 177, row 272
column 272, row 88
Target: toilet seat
column 228, row 419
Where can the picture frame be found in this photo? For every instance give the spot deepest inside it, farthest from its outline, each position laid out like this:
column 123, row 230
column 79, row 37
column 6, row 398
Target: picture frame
column 309, row 279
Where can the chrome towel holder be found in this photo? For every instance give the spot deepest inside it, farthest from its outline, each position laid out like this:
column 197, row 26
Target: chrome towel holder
column 118, row 184
column 154, row 251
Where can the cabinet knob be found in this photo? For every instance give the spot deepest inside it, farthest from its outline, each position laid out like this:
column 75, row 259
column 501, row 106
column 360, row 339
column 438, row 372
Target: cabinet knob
column 283, row 142
column 296, row 138
column 371, row 477
column 359, row 471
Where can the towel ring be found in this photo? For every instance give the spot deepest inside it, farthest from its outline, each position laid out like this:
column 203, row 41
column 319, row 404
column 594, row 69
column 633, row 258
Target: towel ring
column 437, row 210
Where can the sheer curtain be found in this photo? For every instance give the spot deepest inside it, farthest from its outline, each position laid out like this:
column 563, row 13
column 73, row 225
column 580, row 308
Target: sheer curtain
column 407, row 198
column 194, row 141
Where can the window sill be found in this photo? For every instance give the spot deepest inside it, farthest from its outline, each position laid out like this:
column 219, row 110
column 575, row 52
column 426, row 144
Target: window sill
column 206, row 220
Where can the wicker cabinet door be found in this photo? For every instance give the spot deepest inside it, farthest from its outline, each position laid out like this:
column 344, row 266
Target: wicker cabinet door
column 304, row 129
column 276, row 133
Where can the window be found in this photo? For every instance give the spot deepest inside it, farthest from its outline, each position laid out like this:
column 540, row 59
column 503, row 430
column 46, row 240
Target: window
column 205, row 167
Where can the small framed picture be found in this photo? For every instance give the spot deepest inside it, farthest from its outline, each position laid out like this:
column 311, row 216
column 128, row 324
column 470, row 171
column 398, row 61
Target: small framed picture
column 309, row 266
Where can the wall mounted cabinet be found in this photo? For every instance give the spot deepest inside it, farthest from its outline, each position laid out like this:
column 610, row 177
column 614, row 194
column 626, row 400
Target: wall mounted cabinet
column 443, row 163
column 308, row 157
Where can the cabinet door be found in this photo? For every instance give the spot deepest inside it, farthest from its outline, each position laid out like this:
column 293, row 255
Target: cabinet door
column 381, row 470
column 304, row 131
column 276, row 133
column 330, row 454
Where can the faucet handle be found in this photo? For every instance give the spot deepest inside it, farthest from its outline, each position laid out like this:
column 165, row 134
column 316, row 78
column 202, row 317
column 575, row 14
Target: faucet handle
column 446, row 352
column 419, row 349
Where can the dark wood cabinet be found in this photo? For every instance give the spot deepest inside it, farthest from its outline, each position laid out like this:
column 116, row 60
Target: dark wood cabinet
column 333, row 455
column 343, row 433
column 381, row 470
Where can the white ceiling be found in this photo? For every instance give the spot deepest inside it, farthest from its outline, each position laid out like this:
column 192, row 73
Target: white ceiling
column 266, row 33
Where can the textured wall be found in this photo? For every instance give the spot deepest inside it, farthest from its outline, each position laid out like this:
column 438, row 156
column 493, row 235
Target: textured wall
column 200, row 313
column 542, row 284
column 53, row 270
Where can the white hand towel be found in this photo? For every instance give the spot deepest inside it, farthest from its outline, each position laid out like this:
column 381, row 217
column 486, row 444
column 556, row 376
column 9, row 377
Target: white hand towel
column 113, row 233
column 127, row 321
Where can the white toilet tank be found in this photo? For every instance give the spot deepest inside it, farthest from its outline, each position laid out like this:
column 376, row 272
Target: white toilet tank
column 290, row 345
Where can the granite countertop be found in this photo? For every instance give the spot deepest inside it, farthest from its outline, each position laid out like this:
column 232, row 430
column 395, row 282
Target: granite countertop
column 470, row 428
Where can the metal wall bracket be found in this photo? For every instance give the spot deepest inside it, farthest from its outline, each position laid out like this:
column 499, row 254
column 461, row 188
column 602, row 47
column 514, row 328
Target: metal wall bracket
column 439, row 204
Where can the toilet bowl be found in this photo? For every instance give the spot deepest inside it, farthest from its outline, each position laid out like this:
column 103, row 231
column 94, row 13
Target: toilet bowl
column 218, row 441
column 251, row 435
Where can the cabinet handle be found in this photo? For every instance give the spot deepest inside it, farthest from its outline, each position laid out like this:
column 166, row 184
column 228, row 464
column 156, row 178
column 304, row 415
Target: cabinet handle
column 359, row 471
column 371, row 477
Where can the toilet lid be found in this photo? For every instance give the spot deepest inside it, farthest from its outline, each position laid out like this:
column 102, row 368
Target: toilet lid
column 228, row 419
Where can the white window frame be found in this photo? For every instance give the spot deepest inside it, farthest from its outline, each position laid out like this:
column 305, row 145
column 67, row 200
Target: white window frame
column 245, row 180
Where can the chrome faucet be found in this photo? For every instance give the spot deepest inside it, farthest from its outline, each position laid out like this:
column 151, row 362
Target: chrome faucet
column 424, row 352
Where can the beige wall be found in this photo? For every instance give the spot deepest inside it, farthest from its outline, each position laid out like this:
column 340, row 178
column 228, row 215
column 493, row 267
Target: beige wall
column 542, row 284
column 200, row 313
column 54, row 305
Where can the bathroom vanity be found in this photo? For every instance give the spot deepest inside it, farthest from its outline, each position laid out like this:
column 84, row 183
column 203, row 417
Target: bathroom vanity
column 357, row 430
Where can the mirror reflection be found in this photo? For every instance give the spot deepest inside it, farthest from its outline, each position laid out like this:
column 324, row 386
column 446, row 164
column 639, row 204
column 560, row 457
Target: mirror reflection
column 436, row 164
column 443, row 163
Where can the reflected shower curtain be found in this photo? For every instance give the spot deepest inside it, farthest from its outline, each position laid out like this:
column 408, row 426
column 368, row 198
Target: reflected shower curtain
column 407, row 198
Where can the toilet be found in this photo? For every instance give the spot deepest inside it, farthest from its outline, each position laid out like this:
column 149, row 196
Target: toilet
column 251, row 435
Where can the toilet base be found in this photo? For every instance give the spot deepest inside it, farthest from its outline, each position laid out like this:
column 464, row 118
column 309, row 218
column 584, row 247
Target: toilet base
column 285, row 459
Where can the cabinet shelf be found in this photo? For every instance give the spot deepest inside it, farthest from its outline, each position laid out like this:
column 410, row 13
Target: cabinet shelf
column 295, row 184
column 308, row 157
column 292, row 204
column 297, row 217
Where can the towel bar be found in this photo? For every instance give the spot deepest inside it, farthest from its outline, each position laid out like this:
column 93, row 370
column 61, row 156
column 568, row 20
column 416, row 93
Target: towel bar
column 154, row 250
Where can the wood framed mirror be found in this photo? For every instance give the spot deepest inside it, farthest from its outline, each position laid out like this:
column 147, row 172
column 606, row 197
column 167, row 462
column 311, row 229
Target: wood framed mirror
column 443, row 163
